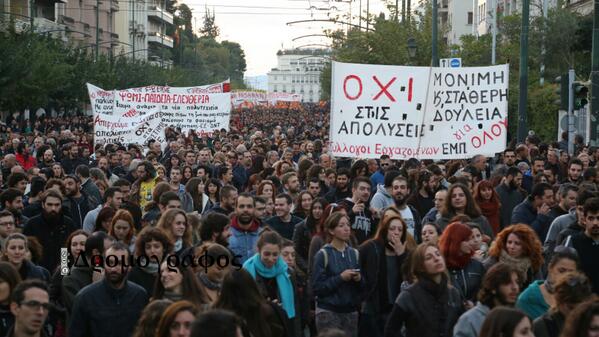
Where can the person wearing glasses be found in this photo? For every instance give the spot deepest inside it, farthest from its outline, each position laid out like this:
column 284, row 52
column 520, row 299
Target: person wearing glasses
column 30, row 305
column 7, row 225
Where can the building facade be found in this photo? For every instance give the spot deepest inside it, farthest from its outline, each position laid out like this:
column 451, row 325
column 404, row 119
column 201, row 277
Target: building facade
column 298, row 72
column 131, row 26
column 460, row 19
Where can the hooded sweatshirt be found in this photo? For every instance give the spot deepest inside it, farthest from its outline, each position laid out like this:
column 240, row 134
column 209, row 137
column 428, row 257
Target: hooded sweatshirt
column 381, row 198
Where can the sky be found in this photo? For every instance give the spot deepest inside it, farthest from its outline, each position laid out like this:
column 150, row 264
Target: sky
column 260, row 26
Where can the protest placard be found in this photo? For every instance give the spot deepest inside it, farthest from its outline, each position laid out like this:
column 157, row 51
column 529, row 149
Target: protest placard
column 418, row 112
column 110, row 129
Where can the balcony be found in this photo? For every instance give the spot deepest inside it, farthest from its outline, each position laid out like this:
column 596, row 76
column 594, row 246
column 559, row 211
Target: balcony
column 161, row 39
column 158, row 13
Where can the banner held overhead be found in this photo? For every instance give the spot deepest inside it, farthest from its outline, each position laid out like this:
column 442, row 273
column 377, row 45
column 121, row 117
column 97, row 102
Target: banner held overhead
column 418, row 112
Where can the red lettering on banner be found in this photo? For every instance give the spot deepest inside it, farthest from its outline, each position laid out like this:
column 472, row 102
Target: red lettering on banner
column 410, row 85
column 384, row 88
column 345, row 87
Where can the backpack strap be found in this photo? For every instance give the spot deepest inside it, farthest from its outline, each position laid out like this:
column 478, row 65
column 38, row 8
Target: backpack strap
column 326, row 257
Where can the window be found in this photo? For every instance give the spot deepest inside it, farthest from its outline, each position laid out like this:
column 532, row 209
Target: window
column 470, row 18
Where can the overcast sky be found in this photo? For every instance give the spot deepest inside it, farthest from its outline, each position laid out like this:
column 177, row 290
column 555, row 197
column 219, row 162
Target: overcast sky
column 260, row 25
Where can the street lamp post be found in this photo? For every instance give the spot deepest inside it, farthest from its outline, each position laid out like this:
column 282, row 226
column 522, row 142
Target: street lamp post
column 435, row 53
column 412, row 47
column 97, row 29
column 522, row 102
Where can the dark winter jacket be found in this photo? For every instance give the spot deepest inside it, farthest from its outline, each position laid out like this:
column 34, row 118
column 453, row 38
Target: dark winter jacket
column 363, row 224
column 509, row 198
column 468, row 280
column 373, row 263
column 102, row 311
column 332, row 293
column 52, row 235
column 143, row 278
column 29, row 271
column 302, row 235
column 79, row 278
column 526, row 213
column 426, row 309
column 550, row 324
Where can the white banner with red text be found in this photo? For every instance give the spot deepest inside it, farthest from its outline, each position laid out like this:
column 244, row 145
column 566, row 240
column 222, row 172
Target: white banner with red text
column 418, row 112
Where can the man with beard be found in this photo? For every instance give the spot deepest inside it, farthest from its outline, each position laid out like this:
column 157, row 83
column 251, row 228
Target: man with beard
column 383, row 197
column 424, row 198
column 104, row 166
column 358, row 210
column 175, row 182
column 291, row 184
column 535, row 210
column 509, row 157
column 88, row 186
column 47, row 159
column 500, row 287
column 12, row 201
column 73, row 160
column 228, row 196
column 215, row 228
column 341, row 190
column 51, row 228
column 244, row 229
column 586, row 243
column 76, row 202
column 401, row 191
column 510, row 195
column 574, row 172
column 111, row 306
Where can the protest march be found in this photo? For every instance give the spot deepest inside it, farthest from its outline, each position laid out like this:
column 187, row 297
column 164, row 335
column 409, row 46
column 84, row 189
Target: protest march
column 399, row 208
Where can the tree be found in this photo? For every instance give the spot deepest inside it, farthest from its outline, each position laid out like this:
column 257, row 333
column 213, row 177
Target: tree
column 210, row 29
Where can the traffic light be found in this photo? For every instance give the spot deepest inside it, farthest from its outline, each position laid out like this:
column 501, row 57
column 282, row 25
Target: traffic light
column 562, row 91
column 581, row 92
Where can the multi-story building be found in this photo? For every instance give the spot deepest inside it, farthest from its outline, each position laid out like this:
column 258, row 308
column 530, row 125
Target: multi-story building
column 40, row 12
column 95, row 22
column 583, row 7
column 160, row 45
column 131, row 26
column 298, row 72
column 460, row 19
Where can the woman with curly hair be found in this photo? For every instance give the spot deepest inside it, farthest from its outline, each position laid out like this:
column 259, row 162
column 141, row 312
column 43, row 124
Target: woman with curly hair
column 466, row 272
column 267, row 188
column 175, row 224
column 459, row 201
column 519, row 246
column 488, row 201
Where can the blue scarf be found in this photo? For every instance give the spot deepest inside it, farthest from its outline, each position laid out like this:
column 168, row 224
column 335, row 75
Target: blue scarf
column 279, row 270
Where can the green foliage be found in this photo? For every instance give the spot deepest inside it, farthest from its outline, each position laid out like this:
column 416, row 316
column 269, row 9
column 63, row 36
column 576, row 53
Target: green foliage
column 40, row 72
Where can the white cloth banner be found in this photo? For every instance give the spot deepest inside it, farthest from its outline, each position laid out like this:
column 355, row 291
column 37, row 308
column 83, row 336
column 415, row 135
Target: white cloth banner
column 109, row 129
column 418, row 112
column 201, row 108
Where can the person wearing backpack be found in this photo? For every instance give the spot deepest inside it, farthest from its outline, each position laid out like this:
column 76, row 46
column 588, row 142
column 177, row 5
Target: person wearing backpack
column 336, row 279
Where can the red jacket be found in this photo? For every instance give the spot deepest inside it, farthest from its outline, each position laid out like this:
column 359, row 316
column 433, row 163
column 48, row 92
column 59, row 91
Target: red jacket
column 26, row 163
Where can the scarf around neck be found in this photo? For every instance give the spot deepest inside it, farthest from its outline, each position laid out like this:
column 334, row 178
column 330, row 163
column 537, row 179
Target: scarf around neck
column 521, row 263
column 178, row 245
column 279, row 271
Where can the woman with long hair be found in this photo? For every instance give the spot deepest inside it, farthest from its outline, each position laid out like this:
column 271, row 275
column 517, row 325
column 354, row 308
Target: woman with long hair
column 431, row 306
column 122, row 228
column 487, row 200
column 213, row 190
column 570, row 290
column 319, row 238
column 271, row 273
column 240, row 295
column 301, row 208
column 174, row 223
column 9, row 279
column 104, row 219
column 466, row 272
column 305, row 230
column 336, row 278
column 538, row 298
column 196, row 187
column 506, row 322
column 187, row 174
column 459, row 201
column 150, row 317
column 583, row 321
column 15, row 250
column 176, row 320
column 519, row 246
column 151, row 246
column 430, row 233
column 176, row 283
column 381, row 260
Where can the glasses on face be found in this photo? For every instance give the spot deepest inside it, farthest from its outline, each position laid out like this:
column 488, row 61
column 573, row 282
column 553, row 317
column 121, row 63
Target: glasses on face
column 35, row 305
column 7, row 223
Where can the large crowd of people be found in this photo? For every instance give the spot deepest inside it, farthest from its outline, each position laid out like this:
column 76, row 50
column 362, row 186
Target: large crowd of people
column 259, row 231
